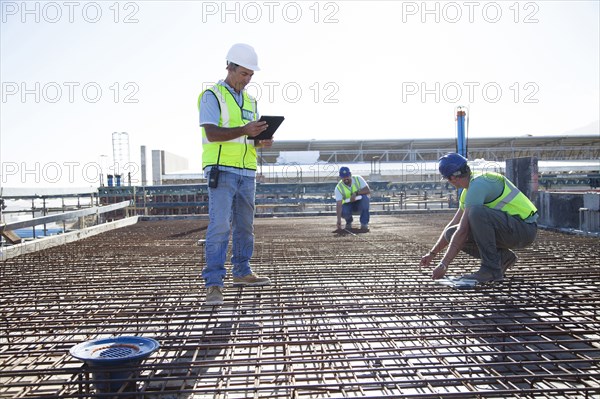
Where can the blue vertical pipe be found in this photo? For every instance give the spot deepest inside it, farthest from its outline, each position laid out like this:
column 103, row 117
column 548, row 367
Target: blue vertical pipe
column 461, row 142
column 461, row 138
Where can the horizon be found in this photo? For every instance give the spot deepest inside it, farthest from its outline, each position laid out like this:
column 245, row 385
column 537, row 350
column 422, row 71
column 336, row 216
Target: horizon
column 406, row 168
column 88, row 176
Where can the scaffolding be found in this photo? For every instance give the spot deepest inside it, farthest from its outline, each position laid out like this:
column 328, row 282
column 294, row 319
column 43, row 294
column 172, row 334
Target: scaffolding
column 121, row 159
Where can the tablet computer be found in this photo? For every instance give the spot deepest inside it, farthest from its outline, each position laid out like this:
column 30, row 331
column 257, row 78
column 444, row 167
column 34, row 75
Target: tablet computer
column 273, row 122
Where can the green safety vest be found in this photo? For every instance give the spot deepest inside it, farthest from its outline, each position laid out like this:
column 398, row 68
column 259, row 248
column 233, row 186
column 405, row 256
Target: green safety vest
column 511, row 201
column 237, row 153
column 348, row 191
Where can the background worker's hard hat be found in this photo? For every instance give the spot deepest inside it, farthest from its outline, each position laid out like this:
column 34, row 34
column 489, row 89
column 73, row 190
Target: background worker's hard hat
column 344, row 171
column 244, row 55
column 451, row 163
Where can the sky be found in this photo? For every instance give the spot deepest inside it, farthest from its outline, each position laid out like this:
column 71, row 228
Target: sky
column 75, row 72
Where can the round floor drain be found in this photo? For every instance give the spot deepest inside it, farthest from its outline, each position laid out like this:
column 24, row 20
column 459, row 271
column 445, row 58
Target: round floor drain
column 114, row 349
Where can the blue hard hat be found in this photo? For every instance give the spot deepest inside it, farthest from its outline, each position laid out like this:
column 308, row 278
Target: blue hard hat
column 451, row 164
column 345, row 171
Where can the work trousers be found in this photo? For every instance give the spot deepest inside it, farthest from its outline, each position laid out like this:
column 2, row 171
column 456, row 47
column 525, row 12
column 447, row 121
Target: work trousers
column 361, row 207
column 230, row 210
column 492, row 233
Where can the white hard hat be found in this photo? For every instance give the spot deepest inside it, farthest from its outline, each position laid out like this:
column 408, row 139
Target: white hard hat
column 244, row 55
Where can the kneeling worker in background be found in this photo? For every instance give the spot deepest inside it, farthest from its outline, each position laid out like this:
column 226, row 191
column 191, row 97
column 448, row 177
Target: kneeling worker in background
column 493, row 218
column 351, row 195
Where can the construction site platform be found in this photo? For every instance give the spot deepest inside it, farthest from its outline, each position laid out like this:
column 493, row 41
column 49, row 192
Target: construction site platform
column 346, row 316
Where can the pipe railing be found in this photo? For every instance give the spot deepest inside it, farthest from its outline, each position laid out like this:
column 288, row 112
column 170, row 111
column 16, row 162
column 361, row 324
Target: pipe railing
column 97, row 210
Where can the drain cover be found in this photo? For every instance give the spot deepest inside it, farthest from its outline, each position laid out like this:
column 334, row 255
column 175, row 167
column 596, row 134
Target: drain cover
column 114, row 350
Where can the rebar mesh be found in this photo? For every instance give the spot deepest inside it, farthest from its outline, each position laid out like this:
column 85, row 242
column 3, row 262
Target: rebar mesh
column 346, row 316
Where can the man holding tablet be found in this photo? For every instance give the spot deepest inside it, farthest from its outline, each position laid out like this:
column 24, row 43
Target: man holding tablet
column 229, row 121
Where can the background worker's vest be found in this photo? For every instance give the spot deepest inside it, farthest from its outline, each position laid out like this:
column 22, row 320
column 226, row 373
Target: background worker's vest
column 511, row 201
column 236, row 153
column 347, row 191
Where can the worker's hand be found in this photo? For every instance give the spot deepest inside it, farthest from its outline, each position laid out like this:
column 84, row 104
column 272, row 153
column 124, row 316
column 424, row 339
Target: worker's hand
column 439, row 271
column 254, row 128
column 339, row 224
column 426, row 259
column 263, row 143
column 353, row 197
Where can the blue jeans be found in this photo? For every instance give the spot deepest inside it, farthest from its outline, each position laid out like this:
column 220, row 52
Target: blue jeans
column 361, row 206
column 230, row 209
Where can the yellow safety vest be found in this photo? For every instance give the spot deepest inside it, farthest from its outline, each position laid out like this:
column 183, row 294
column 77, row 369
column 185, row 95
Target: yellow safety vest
column 511, row 201
column 348, row 191
column 237, row 153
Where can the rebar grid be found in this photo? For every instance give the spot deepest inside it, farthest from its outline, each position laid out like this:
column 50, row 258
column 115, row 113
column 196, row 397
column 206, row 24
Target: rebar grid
column 346, row 316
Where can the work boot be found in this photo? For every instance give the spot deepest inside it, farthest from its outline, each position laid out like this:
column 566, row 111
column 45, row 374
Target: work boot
column 214, row 295
column 510, row 260
column 348, row 226
column 251, row 280
column 481, row 276
column 364, row 227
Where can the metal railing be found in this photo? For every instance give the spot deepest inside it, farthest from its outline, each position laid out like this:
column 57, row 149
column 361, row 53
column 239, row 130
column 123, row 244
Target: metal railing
column 43, row 220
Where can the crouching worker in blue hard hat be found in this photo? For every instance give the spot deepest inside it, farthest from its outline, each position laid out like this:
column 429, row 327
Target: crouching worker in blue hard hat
column 493, row 218
column 351, row 196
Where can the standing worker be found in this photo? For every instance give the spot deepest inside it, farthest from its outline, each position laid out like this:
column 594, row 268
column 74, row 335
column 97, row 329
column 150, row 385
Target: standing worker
column 351, row 196
column 493, row 218
column 229, row 120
